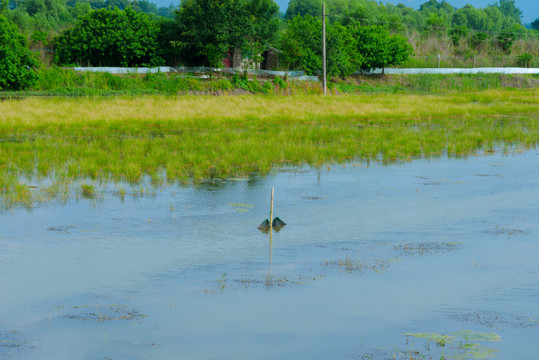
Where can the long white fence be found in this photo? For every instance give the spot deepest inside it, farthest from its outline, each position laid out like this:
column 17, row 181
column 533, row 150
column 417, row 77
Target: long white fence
column 300, row 75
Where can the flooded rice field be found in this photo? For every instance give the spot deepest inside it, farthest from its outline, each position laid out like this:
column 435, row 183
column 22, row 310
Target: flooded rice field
column 428, row 259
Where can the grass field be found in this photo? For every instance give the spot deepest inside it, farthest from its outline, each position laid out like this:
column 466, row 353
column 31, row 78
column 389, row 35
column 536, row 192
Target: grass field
column 49, row 144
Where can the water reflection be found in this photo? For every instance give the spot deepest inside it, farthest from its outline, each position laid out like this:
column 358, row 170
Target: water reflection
column 369, row 254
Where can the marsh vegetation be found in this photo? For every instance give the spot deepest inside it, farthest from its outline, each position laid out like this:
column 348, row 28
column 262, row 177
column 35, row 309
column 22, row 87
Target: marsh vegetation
column 49, row 144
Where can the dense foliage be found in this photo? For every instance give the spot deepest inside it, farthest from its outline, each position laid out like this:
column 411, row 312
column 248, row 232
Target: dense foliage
column 209, row 29
column 349, row 48
column 16, row 61
column 108, row 37
column 361, row 34
column 431, row 16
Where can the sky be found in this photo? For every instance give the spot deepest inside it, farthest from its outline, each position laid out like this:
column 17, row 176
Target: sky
column 530, row 8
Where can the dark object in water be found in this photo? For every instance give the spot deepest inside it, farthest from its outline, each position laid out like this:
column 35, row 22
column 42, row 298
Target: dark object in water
column 276, row 224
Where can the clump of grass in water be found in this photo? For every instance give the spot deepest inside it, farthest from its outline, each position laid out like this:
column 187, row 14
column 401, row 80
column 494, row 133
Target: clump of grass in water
column 102, row 313
column 88, row 191
column 463, row 344
column 433, row 247
column 350, row 265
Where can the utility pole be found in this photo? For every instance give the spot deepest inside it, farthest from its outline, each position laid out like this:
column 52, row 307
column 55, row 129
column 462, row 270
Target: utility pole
column 324, row 79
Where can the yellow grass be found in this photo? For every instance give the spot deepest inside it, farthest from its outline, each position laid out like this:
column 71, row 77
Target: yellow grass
column 195, row 137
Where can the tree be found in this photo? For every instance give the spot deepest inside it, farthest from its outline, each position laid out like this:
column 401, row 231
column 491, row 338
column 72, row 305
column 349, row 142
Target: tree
column 168, row 30
column 289, row 54
column 342, row 57
column 4, row 6
column 209, row 29
column 17, row 64
column 505, row 40
column 472, row 18
column 306, row 32
column 108, row 37
column 206, row 27
column 433, row 6
column 535, row 24
column 399, row 50
column 509, row 8
column 260, row 28
column 379, row 49
column 436, row 24
column 478, row 40
column 525, row 59
column 458, row 33
column 303, row 7
column 52, row 12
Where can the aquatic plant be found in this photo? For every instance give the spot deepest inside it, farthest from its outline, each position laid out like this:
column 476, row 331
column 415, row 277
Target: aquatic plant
column 101, row 313
column 461, row 344
column 355, row 265
column 87, row 191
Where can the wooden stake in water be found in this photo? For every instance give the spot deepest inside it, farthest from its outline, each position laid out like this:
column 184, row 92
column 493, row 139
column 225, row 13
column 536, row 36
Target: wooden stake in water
column 271, row 210
column 324, row 76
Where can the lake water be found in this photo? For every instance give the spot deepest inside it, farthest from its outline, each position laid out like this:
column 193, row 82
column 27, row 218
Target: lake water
column 369, row 253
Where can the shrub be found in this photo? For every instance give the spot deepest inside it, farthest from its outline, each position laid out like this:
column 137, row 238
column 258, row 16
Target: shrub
column 525, row 59
column 17, row 64
column 108, row 37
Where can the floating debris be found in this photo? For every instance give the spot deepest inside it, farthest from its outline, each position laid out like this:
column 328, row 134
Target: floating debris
column 314, row 198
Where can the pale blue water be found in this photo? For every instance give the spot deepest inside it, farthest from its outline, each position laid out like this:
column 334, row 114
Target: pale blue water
column 76, row 279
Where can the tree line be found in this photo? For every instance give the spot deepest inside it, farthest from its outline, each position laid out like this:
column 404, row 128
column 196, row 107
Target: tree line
column 361, row 34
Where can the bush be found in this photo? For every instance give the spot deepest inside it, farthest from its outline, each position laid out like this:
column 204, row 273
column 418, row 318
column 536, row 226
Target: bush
column 525, row 59
column 108, row 37
column 17, row 64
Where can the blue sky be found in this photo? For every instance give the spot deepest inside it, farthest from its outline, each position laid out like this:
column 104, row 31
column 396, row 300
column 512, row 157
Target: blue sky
column 530, row 8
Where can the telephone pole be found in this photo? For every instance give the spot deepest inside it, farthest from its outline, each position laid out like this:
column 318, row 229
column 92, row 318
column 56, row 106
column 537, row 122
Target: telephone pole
column 324, row 79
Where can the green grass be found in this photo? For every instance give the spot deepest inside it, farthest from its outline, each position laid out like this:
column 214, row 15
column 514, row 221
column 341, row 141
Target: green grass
column 66, row 82
column 183, row 139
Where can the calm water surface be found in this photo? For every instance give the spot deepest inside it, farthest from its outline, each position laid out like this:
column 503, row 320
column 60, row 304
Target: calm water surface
column 370, row 253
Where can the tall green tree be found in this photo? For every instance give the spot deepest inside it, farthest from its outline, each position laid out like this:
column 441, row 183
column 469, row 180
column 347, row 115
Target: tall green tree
column 109, row 37
column 472, row 18
column 289, row 54
column 17, row 64
column 4, row 6
column 306, row 33
column 509, row 8
column 209, row 29
column 303, row 7
column 379, row 49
